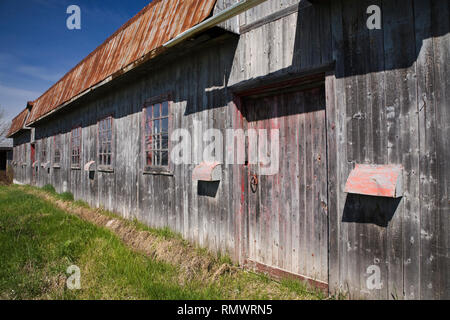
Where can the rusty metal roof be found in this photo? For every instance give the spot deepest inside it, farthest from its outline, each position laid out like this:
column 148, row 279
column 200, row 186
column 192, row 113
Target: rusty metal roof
column 18, row 123
column 141, row 36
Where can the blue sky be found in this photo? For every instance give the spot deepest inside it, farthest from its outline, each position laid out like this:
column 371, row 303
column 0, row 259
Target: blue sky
column 37, row 49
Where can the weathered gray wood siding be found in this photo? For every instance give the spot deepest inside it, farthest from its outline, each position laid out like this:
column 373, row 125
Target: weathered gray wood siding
column 387, row 102
column 21, row 154
column 197, row 83
column 391, row 101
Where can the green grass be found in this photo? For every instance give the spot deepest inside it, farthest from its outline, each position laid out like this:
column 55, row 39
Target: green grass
column 65, row 196
column 49, row 188
column 38, row 242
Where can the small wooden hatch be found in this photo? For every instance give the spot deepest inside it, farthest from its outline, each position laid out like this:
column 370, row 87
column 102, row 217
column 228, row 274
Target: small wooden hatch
column 376, row 180
column 208, row 171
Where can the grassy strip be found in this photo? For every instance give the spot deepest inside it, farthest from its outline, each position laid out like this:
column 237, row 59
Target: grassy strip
column 39, row 241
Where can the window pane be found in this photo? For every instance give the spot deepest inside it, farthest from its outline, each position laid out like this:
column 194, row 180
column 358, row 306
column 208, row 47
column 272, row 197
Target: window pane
column 164, row 158
column 156, row 126
column 165, row 125
column 156, row 110
column 165, row 141
column 157, row 134
column 105, row 141
column 76, row 146
column 165, row 109
column 157, row 142
column 148, row 143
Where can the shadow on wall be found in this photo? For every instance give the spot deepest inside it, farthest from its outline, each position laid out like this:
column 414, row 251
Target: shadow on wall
column 212, row 92
column 370, row 210
column 405, row 26
column 208, row 188
column 331, row 31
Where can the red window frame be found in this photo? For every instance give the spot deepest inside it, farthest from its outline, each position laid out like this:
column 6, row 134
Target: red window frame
column 105, row 138
column 156, row 131
column 75, row 147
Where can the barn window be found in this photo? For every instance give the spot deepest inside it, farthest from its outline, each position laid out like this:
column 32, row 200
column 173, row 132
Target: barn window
column 57, row 149
column 76, row 147
column 105, row 134
column 44, row 150
column 157, row 136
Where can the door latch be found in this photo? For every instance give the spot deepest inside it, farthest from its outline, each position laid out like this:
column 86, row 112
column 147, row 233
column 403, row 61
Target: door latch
column 254, row 183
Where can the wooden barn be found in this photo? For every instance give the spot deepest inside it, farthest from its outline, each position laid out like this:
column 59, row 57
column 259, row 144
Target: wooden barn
column 356, row 92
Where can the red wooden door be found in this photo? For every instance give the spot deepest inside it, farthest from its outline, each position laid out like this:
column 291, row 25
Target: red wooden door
column 287, row 209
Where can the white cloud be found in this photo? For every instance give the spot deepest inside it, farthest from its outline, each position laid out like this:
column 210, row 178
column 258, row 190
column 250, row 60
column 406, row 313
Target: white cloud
column 39, row 73
column 13, row 100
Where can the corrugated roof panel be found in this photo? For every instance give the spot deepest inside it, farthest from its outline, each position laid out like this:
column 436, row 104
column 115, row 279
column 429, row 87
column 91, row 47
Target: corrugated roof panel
column 162, row 27
column 154, row 25
column 140, row 29
column 146, row 39
column 17, row 123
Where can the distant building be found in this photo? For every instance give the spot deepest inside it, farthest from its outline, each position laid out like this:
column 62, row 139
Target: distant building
column 6, row 153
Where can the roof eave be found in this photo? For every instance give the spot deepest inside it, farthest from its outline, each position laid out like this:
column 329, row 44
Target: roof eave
column 11, row 135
